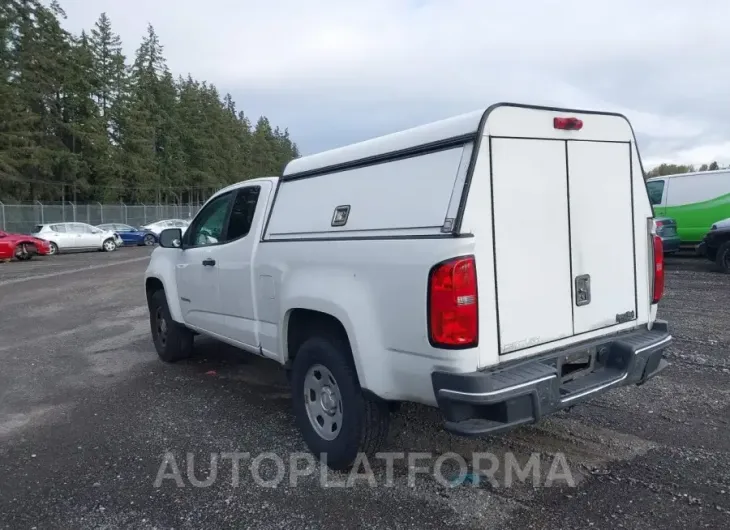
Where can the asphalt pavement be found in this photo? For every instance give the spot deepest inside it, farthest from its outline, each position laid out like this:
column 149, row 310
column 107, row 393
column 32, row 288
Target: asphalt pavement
column 95, row 432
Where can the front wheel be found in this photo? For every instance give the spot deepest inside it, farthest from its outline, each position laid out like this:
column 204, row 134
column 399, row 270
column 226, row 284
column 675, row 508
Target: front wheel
column 336, row 420
column 22, row 253
column 109, row 245
column 173, row 341
column 149, row 240
column 722, row 258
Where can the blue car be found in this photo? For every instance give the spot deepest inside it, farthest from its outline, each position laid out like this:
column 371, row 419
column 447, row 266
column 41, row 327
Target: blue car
column 130, row 235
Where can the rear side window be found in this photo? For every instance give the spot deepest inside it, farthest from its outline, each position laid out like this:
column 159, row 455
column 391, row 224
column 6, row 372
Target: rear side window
column 656, row 190
column 78, row 228
column 244, row 208
column 58, row 228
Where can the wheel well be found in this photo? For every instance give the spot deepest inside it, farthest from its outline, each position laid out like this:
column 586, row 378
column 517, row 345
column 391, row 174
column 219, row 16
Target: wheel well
column 152, row 285
column 303, row 323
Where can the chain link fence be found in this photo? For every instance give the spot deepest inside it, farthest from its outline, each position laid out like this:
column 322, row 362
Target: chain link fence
column 22, row 217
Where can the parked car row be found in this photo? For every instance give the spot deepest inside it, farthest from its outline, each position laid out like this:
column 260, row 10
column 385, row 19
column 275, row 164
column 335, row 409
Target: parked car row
column 53, row 238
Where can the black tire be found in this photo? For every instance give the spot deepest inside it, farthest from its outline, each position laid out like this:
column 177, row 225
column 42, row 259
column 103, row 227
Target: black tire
column 22, row 253
column 53, row 248
column 365, row 422
column 148, row 240
column 722, row 258
column 173, row 341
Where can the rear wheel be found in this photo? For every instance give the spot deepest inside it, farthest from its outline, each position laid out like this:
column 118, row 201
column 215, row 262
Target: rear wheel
column 109, row 245
column 335, row 418
column 722, row 258
column 173, row 341
column 52, row 248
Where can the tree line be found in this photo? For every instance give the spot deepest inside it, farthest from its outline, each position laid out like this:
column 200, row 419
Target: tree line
column 78, row 121
column 674, row 169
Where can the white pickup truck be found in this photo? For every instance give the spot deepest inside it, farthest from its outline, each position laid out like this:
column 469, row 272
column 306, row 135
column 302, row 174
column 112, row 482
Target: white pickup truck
column 500, row 265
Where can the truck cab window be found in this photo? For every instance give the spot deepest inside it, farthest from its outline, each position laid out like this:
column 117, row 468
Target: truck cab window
column 209, row 225
column 656, row 189
column 242, row 212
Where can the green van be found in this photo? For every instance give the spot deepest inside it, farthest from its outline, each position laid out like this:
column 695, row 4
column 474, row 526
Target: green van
column 694, row 200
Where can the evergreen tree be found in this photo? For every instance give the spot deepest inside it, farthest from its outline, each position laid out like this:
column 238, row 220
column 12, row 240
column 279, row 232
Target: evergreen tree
column 109, row 68
column 77, row 122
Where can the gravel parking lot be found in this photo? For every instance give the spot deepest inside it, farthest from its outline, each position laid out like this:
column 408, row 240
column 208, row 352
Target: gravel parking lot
column 87, row 413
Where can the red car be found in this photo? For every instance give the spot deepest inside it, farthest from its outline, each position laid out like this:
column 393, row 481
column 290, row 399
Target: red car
column 22, row 247
column 6, row 250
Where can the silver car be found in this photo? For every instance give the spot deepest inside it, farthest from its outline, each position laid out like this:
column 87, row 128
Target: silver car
column 159, row 226
column 76, row 236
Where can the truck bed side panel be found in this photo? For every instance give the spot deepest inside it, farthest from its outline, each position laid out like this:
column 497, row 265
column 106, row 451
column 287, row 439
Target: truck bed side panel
column 410, row 194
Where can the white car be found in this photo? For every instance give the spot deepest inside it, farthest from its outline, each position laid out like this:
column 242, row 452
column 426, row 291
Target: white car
column 725, row 223
column 159, row 226
column 399, row 270
column 76, row 236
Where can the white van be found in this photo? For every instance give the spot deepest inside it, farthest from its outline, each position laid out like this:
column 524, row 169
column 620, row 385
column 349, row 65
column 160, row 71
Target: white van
column 694, row 200
column 462, row 264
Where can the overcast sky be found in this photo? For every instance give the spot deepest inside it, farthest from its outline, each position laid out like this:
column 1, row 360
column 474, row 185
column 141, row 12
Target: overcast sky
column 339, row 71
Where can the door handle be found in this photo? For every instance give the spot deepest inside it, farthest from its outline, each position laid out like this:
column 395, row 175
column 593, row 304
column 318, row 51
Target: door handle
column 209, row 262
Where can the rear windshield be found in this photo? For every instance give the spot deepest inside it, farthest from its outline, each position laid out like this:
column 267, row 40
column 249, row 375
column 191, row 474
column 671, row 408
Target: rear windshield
column 37, row 228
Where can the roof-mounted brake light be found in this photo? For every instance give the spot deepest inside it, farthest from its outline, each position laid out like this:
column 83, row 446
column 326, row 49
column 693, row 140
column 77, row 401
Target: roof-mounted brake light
column 568, row 124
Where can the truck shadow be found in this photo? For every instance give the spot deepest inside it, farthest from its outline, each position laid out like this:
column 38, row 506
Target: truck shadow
column 220, row 360
column 419, row 429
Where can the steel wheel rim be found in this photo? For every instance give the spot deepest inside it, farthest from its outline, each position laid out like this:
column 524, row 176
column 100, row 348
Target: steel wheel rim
column 161, row 326
column 109, row 245
column 323, row 402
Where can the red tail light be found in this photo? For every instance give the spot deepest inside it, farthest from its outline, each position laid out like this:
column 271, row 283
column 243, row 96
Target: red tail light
column 658, row 270
column 453, row 304
column 568, row 124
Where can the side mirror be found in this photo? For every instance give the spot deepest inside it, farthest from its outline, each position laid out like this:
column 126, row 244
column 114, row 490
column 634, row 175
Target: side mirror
column 171, row 238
